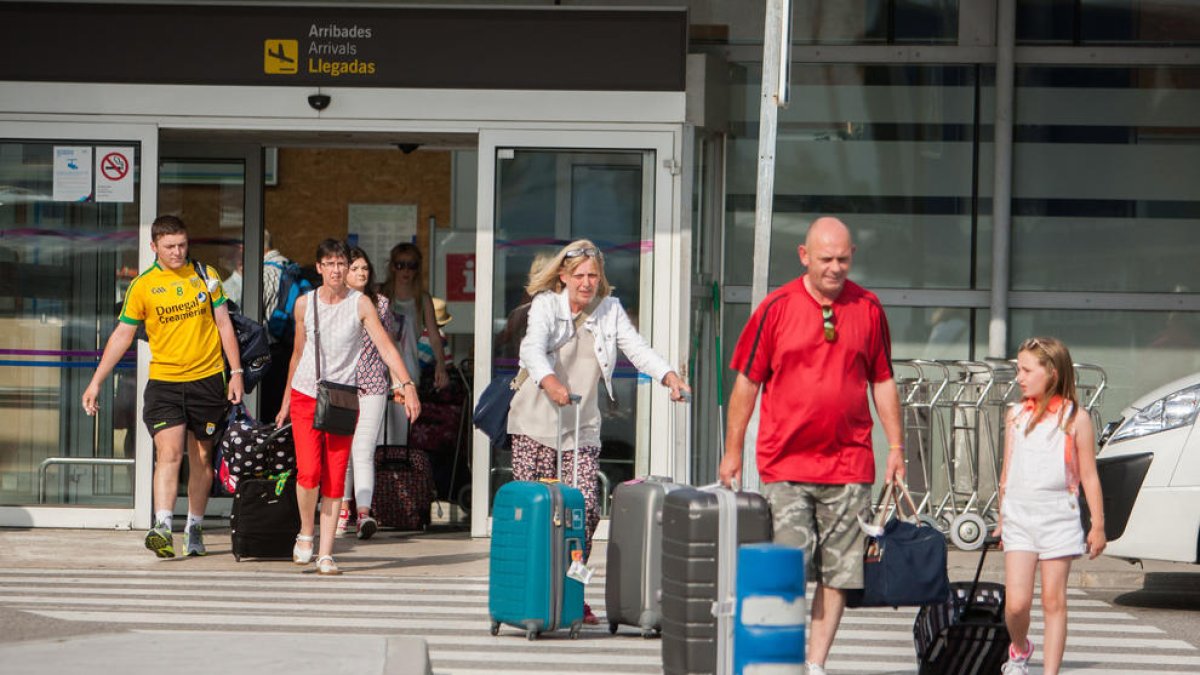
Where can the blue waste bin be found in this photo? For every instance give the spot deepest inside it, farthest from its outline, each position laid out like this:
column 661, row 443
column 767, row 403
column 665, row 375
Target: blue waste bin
column 771, row 609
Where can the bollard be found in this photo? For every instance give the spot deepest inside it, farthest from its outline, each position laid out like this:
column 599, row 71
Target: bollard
column 771, row 613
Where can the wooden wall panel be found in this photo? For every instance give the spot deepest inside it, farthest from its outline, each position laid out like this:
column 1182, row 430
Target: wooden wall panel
column 317, row 185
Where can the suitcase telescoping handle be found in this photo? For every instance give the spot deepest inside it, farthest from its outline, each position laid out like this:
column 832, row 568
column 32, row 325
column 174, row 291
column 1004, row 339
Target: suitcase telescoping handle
column 573, row 400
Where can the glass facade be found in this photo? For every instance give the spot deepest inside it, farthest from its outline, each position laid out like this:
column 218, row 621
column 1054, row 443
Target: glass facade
column 64, row 265
column 1104, row 205
column 897, row 151
column 1107, row 22
column 1105, row 165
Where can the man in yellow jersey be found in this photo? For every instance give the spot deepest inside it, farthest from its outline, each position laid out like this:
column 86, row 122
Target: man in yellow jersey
column 186, row 396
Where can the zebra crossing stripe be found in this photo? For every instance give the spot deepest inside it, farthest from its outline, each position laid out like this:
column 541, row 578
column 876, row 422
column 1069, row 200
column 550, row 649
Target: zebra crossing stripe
column 451, row 615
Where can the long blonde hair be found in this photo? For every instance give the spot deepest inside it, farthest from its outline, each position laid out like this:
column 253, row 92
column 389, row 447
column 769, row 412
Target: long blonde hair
column 547, row 278
column 1054, row 356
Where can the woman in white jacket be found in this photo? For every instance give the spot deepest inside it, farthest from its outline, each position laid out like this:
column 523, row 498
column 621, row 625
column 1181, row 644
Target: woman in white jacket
column 561, row 361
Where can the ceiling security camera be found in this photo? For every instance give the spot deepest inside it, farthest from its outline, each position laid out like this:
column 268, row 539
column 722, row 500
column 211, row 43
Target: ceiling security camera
column 319, row 101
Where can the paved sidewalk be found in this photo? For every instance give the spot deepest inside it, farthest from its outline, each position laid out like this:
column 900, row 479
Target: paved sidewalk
column 455, row 553
column 66, row 647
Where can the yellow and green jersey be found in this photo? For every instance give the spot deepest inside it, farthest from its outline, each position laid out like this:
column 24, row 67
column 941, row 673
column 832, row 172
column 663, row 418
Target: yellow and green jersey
column 175, row 307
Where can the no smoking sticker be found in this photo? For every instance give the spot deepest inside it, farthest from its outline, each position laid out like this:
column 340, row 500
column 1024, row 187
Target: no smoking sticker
column 114, row 177
column 114, row 166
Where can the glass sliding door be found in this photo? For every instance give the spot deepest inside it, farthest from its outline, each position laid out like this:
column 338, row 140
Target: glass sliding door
column 71, row 211
column 541, row 193
column 217, row 190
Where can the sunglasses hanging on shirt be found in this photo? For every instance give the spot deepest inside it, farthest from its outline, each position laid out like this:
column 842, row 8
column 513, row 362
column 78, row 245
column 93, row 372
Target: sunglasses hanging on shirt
column 829, row 323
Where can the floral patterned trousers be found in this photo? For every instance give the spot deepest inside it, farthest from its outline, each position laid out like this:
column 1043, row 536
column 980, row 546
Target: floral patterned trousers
column 532, row 461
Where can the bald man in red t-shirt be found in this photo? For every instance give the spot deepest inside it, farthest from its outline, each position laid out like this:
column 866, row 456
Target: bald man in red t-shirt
column 816, row 347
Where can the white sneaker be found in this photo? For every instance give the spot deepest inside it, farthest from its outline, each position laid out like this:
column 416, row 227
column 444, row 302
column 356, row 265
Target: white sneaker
column 814, row 669
column 1017, row 664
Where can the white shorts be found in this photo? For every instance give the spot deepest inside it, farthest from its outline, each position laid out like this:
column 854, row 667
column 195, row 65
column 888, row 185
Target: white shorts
column 1046, row 525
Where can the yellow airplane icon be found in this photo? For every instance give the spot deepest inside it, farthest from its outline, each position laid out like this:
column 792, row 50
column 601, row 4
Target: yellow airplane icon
column 280, row 57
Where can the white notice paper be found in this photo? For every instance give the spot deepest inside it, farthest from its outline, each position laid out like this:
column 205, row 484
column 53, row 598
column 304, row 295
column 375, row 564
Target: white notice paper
column 72, row 173
column 114, row 174
column 379, row 227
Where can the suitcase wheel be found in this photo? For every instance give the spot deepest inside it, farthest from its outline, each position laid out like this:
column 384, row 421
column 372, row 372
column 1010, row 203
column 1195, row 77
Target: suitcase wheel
column 237, row 558
column 530, row 634
column 575, row 630
column 495, row 628
column 649, row 633
column 612, row 628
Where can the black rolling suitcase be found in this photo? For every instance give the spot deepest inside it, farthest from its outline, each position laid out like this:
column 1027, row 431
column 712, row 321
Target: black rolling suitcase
column 966, row 635
column 265, row 518
column 699, row 551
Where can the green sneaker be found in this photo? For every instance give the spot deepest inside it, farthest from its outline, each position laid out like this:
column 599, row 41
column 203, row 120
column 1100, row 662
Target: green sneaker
column 193, row 541
column 158, row 539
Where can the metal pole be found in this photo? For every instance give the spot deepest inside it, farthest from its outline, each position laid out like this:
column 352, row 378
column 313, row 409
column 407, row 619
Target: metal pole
column 1002, row 181
column 776, row 49
column 774, row 56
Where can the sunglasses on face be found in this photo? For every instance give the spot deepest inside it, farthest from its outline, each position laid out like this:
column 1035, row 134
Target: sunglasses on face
column 829, row 323
column 577, row 252
column 406, row 265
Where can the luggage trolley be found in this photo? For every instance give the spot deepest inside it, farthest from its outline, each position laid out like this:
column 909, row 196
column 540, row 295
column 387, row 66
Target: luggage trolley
column 921, row 384
column 1090, row 383
column 973, row 446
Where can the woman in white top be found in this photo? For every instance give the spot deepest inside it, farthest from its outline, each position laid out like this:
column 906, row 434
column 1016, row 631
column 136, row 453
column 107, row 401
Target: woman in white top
column 412, row 313
column 321, row 457
column 561, row 360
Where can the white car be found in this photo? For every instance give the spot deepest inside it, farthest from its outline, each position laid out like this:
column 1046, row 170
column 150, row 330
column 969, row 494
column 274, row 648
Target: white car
column 1149, row 465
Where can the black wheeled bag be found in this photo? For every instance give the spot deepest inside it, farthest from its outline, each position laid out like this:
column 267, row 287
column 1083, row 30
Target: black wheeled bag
column 965, row 635
column 265, row 518
column 634, row 582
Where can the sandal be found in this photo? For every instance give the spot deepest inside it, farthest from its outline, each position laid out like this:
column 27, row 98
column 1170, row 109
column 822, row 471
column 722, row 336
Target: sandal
column 303, row 556
column 326, row 566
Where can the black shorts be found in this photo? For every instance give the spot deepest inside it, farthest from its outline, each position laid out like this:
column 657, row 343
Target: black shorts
column 200, row 404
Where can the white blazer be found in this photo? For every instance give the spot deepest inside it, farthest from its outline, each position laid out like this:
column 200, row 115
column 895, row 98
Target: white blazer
column 551, row 326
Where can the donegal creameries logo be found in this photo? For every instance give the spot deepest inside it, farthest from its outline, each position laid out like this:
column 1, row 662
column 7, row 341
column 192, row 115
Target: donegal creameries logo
column 281, row 57
column 331, row 49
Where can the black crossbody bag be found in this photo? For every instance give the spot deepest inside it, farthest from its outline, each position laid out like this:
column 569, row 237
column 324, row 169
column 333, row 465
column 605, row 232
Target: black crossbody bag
column 337, row 404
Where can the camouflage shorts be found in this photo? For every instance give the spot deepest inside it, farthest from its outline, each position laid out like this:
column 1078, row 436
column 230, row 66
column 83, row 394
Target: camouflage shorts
column 823, row 520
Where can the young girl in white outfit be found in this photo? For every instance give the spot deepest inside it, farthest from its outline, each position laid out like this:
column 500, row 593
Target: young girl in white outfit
column 1050, row 453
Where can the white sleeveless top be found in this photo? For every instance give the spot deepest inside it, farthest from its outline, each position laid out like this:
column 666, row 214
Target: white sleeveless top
column 1041, row 462
column 341, row 343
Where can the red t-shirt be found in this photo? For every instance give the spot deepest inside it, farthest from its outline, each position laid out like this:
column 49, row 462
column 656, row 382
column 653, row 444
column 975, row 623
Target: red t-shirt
column 815, row 421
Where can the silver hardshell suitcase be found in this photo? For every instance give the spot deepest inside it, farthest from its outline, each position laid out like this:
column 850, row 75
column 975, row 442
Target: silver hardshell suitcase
column 634, row 568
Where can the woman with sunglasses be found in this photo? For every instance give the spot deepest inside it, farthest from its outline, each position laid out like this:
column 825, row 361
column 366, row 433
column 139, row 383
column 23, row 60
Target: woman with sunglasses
column 571, row 290
column 412, row 313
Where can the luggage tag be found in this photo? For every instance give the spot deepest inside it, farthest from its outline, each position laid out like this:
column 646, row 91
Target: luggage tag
column 579, row 571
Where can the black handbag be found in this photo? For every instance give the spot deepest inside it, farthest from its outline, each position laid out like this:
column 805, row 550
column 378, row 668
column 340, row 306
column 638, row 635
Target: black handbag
column 905, row 564
column 337, row 404
column 254, row 346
